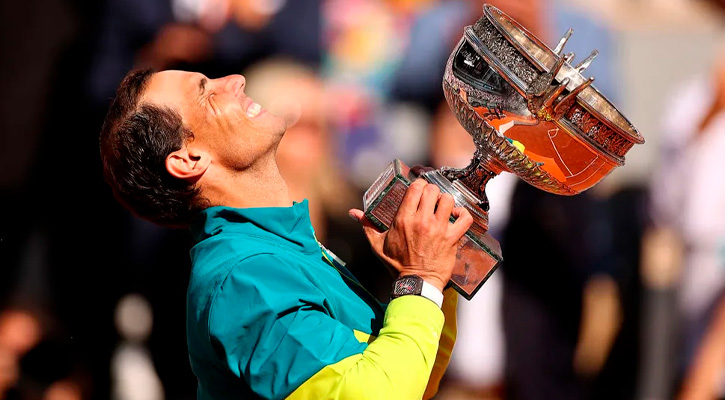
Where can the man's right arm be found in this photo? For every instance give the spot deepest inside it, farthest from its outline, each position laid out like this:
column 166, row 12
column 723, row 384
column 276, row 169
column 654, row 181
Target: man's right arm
column 420, row 242
column 398, row 363
column 395, row 365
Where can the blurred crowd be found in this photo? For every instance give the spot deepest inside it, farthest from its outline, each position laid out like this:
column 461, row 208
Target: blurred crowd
column 617, row 293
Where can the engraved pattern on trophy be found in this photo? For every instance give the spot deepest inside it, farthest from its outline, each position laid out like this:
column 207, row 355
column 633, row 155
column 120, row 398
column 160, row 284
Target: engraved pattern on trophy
column 529, row 112
column 597, row 131
column 501, row 48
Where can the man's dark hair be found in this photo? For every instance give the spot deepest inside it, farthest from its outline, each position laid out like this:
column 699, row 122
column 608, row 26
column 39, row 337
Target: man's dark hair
column 135, row 140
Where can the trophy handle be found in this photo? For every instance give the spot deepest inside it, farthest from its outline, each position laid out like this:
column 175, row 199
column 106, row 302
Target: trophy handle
column 478, row 255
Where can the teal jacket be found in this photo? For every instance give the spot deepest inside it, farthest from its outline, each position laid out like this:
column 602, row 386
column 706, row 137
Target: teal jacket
column 272, row 314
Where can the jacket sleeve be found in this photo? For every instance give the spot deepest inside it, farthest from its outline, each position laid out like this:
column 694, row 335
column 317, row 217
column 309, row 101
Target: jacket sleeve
column 276, row 331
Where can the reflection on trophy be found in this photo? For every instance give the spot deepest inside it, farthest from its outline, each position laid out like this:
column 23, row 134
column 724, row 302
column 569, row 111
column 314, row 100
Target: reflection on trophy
column 529, row 112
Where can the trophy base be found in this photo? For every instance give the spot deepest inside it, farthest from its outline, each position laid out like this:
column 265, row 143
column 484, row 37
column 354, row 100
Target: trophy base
column 479, row 254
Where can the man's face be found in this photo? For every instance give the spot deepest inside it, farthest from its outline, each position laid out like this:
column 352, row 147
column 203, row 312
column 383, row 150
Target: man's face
column 229, row 125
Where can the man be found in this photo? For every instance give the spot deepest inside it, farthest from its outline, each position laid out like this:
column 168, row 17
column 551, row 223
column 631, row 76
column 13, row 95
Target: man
column 270, row 312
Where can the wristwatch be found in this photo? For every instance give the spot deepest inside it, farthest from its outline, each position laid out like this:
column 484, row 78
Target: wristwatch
column 415, row 285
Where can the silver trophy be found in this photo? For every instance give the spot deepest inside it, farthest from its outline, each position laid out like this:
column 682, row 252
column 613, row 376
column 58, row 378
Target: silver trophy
column 529, row 112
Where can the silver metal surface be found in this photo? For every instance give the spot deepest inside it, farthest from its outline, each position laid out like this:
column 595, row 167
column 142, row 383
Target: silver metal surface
column 543, row 95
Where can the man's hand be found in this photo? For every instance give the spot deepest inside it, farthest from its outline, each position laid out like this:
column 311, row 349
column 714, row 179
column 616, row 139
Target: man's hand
column 421, row 240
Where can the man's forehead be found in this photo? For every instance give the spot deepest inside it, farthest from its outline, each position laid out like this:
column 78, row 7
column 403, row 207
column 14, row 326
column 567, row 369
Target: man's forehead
column 172, row 87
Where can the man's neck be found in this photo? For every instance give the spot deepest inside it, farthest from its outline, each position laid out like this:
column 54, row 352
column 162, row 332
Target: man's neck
column 255, row 187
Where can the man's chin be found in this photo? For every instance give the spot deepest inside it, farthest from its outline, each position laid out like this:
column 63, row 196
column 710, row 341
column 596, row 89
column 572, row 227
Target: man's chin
column 280, row 124
column 291, row 118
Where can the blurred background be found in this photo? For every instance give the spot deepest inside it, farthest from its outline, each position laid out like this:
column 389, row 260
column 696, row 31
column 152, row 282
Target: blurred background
column 613, row 294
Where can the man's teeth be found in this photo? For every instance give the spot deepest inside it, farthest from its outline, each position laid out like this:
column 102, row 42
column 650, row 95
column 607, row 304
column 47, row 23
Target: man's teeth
column 253, row 110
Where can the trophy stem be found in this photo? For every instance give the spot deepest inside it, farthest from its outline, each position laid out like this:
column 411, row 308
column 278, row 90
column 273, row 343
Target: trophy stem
column 474, row 177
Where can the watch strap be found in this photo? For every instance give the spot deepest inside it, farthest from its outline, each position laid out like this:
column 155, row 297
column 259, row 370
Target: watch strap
column 432, row 293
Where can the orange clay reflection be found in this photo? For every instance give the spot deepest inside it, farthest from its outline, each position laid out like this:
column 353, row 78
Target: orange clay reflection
column 564, row 156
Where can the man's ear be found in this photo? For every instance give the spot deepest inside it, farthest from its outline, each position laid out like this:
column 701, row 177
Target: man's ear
column 187, row 164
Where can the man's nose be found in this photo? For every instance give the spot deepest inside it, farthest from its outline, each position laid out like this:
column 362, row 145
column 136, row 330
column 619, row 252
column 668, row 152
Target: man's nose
column 234, row 83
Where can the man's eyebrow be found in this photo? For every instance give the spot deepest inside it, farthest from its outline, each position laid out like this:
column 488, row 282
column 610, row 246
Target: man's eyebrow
column 202, row 86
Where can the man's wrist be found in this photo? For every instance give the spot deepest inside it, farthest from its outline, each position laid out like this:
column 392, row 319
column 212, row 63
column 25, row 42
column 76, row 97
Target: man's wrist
column 415, row 285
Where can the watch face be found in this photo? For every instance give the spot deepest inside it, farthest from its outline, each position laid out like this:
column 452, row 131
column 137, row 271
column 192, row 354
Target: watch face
column 407, row 285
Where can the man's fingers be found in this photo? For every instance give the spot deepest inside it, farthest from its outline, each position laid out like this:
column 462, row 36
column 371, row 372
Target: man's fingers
column 371, row 231
column 429, row 199
column 356, row 214
column 462, row 223
column 410, row 202
column 445, row 207
column 418, row 170
column 360, row 217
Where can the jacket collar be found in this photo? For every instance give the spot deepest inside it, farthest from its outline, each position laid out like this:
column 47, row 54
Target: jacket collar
column 291, row 224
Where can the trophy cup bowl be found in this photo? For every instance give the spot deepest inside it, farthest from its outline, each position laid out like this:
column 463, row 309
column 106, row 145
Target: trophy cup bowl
column 529, row 112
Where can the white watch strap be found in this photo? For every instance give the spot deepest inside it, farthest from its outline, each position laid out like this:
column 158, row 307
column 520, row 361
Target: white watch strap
column 432, row 293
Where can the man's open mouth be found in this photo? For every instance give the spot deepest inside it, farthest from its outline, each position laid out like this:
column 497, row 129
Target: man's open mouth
column 253, row 110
